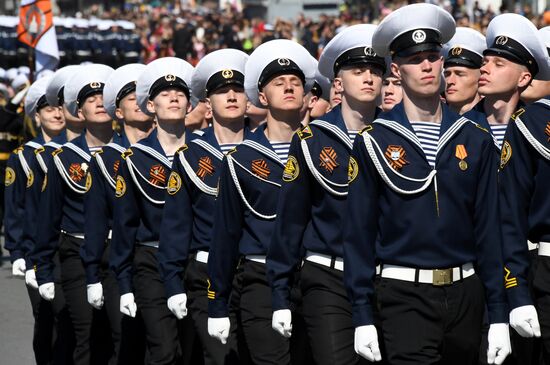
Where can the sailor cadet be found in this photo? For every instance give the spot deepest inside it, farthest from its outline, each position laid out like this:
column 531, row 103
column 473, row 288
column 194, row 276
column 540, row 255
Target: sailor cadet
column 312, row 201
column 62, row 203
column 191, row 194
column 162, row 90
column 55, row 97
column 524, row 204
column 20, row 207
column 391, row 93
column 463, row 57
column 317, row 100
column 278, row 74
column 119, row 100
column 424, row 203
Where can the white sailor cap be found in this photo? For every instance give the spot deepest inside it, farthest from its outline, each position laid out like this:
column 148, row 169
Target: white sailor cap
column 321, row 86
column 43, row 73
column 36, row 96
column 161, row 74
column 352, row 46
column 413, row 28
column 465, row 48
column 11, row 74
column 2, row 74
column 89, row 80
column 515, row 38
column 274, row 58
column 217, row 69
column 24, row 70
column 54, row 93
column 121, row 83
column 19, row 81
column 545, row 37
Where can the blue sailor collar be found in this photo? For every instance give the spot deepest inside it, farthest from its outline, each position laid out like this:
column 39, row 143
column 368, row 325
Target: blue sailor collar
column 79, row 145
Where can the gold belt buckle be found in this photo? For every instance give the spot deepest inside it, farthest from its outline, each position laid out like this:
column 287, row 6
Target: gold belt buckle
column 442, row 277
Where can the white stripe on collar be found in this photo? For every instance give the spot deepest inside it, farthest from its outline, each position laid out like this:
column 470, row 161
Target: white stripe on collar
column 401, row 130
column 116, row 146
column 334, row 129
column 543, row 101
column 208, row 147
column 266, row 151
column 78, row 151
column 103, row 169
column 33, row 144
column 153, row 153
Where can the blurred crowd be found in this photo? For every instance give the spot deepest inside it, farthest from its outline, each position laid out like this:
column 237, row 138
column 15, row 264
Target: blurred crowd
column 143, row 33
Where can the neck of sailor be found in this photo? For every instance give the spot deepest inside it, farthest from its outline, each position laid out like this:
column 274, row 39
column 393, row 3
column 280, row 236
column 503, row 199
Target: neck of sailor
column 136, row 131
column 98, row 134
column 419, row 107
column 228, row 131
column 170, row 135
column 466, row 105
column 499, row 108
column 281, row 124
column 357, row 114
column 73, row 126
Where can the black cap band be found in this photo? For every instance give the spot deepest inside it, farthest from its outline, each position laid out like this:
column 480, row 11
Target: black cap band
column 125, row 91
column 459, row 56
column 317, row 90
column 280, row 66
column 415, row 41
column 91, row 89
column 168, row 82
column 359, row 56
column 60, row 96
column 548, row 51
column 41, row 103
column 223, row 78
column 513, row 51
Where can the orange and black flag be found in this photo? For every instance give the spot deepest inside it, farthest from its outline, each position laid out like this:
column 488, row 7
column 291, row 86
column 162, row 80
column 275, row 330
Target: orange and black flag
column 35, row 19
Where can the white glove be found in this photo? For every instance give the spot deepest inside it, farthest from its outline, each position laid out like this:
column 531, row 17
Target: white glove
column 366, row 343
column 177, row 305
column 95, row 295
column 499, row 343
column 219, row 328
column 47, row 291
column 128, row 305
column 18, row 268
column 282, row 322
column 30, row 279
column 525, row 321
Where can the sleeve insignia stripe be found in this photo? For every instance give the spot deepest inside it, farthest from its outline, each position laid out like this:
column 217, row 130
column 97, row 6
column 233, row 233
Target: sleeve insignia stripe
column 211, row 294
column 305, row 132
column 509, row 281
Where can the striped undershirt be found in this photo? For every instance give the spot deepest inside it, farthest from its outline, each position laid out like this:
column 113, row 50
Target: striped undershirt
column 281, row 149
column 352, row 135
column 170, row 158
column 226, row 147
column 428, row 134
column 498, row 131
column 94, row 149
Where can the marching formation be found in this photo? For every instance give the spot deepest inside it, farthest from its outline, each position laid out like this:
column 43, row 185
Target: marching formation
column 391, row 207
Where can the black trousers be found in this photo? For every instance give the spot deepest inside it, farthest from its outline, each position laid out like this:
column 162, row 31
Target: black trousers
column 265, row 345
column 73, row 282
column 53, row 340
column 327, row 315
column 161, row 327
column 541, row 292
column 424, row 324
column 197, row 303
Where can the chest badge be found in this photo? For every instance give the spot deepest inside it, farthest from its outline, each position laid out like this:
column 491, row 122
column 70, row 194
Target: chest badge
column 396, row 156
column 157, row 175
column 328, row 159
column 205, row 167
column 260, row 168
column 77, row 172
column 547, row 131
column 461, row 154
column 116, row 165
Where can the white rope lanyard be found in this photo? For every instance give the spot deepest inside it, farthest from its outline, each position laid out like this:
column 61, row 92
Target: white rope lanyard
column 70, row 183
column 133, row 169
column 230, row 164
column 545, row 152
column 194, row 178
column 325, row 183
column 24, row 164
column 104, row 171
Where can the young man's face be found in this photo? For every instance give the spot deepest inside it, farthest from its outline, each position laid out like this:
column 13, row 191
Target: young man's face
column 391, row 93
column 460, row 84
column 501, row 76
column 420, row 73
column 51, row 119
column 169, row 105
column 228, row 103
column 360, row 83
column 92, row 110
column 285, row 93
column 335, row 95
column 128, row 110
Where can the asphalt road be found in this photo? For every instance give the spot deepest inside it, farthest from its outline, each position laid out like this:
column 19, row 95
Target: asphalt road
column 15, row 318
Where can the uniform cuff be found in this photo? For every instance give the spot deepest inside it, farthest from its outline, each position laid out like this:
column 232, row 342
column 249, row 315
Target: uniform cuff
column 362, row 315
column 173, row 287
column 125, row 286
column 279, row 300
column 44, row 275
column 16, row 255
column 217, row 308
column 92, row 274
column 498, row 313
column 519, row 296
